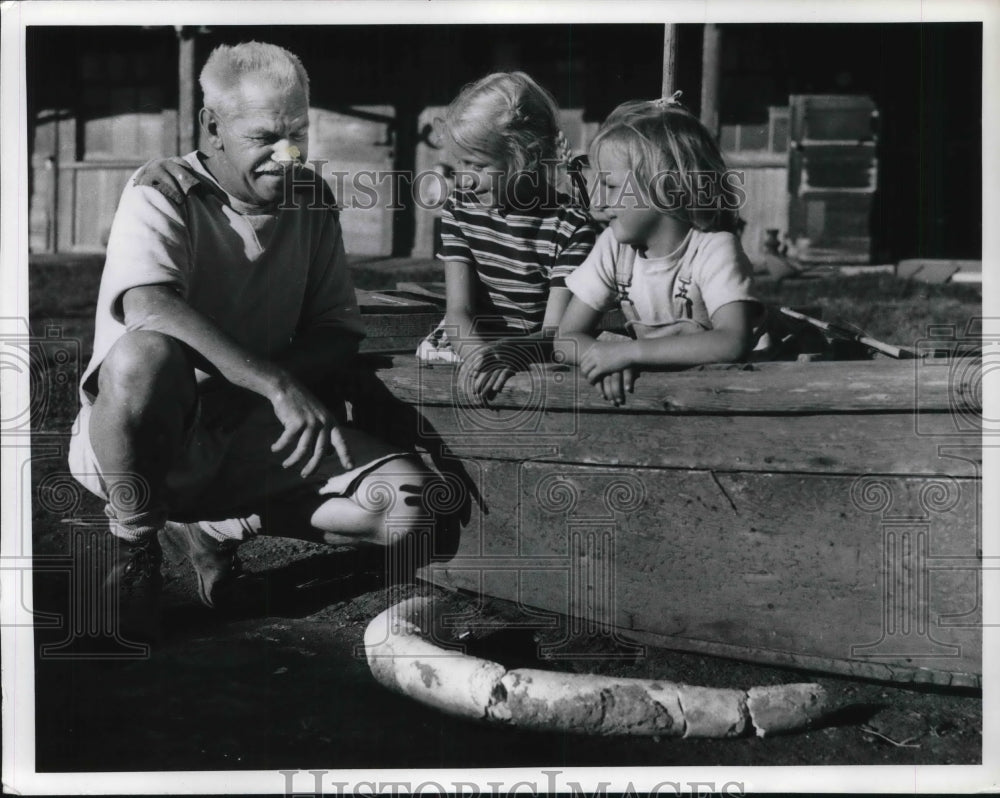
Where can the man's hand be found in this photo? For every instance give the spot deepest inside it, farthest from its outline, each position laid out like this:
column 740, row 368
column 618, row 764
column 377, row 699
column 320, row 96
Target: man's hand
column 309, row 426
column 170, row 176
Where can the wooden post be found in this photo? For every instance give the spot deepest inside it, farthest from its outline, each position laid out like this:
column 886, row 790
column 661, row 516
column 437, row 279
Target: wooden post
column 66, row 155
column 669, row 59
column 186, row 111
column 710, row 78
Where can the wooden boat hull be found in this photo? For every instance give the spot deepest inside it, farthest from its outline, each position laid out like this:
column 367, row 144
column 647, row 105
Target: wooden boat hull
column 822, row 515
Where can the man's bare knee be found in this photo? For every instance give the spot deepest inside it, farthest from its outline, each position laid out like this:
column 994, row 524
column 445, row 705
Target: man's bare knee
column 144, row 365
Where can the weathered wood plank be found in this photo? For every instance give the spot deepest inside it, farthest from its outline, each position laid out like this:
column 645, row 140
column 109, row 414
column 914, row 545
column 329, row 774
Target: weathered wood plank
column 875, row 575
column 187, row 93
column 879, row 671
column 395, row 322
column 392, row 302
column 778, row 388
column 857, row 444
column 412, row 330
column 433, row 292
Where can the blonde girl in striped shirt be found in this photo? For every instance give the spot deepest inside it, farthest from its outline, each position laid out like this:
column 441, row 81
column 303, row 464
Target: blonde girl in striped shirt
column 509, row 238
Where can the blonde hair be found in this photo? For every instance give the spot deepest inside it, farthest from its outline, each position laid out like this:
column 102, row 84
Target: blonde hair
column 229, row 64
column 661, row 138
column 508, row 118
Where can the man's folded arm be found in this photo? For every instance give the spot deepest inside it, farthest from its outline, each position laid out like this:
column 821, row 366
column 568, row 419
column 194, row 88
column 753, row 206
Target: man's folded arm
column 159, row 308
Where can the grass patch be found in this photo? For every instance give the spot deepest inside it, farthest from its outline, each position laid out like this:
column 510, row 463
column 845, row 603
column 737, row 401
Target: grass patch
column 888, row 308
column 62, row 288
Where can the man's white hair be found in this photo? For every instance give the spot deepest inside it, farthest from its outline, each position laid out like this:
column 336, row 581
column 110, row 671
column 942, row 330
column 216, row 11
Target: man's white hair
column 229, row 64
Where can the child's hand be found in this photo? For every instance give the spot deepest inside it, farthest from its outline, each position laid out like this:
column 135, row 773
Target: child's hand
column 487, row 369
column 614, row 386
column 170, row 176
column 604, row 358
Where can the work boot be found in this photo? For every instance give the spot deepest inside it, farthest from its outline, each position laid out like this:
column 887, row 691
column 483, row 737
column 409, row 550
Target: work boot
column 133, row 587
column 215, row 562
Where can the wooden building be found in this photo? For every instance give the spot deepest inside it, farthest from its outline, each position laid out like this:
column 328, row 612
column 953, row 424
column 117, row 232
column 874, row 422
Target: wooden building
column 102, row 101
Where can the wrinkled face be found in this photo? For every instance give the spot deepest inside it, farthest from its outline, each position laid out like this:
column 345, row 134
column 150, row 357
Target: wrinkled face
column 257, row 140
column 476, row 173
column 623, row 200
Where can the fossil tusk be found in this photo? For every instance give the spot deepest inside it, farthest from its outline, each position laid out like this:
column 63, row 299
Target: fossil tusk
column 402, row 660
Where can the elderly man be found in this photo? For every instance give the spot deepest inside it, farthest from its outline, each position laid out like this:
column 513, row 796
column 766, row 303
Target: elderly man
column 218, row 317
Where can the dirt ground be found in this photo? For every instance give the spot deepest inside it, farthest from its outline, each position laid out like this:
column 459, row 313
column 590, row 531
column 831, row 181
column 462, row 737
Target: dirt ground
column 279, row 682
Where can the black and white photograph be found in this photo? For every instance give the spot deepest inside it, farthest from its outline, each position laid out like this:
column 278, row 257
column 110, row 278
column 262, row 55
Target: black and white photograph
column 622, row 381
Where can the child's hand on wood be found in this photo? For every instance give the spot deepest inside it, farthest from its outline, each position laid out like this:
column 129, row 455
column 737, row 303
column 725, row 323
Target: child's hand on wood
column 487, row 370
column 614, row 386
column 170, row 176
column 604, row 358
column 608, row 365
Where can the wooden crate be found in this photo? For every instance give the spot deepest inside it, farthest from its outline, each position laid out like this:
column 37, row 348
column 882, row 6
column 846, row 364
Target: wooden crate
column 822, row 516
column 397, row 321
column 832, row 177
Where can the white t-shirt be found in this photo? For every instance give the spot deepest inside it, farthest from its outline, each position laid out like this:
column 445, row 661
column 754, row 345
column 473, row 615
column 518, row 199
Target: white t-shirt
column 261, row 278
column 705, row 272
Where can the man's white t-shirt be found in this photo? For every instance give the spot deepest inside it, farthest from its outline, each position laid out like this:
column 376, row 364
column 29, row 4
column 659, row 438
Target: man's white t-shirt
column 260, row 277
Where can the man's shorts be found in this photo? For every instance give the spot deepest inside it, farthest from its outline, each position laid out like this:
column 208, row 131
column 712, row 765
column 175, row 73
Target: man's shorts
column 227, row 470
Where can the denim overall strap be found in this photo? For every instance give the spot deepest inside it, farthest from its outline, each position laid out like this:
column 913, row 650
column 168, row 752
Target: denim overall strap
column 681, row 301
column 623, row 281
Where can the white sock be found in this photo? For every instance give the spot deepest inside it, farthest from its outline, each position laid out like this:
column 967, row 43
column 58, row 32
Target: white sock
column 132, row 529
column 238, row 529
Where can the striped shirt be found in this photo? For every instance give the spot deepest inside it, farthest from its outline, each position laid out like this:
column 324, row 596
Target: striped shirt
column 517, row 256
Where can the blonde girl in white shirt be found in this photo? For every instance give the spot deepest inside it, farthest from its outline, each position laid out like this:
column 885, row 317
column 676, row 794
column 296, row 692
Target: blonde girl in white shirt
column 670, row 258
